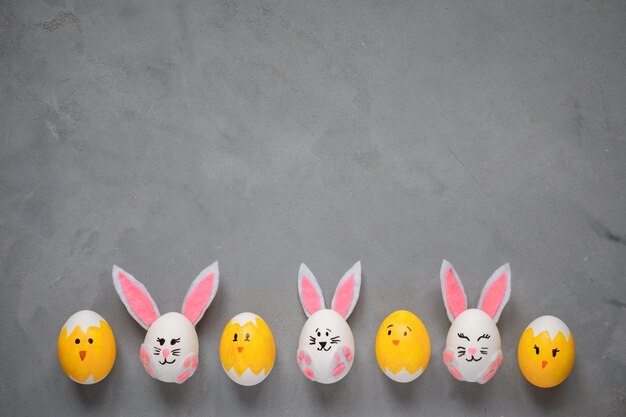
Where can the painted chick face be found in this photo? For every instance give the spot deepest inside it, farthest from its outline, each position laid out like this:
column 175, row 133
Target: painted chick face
column 247, row 349
column 402, row 346
column 546, row 352
column 86, row 347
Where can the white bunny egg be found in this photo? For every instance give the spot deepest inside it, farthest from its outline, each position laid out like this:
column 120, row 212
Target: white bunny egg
column 326, row 347
column 322, row 332
column 473, row 338
column 170, row 339
column 473, row 350
column 170, row 349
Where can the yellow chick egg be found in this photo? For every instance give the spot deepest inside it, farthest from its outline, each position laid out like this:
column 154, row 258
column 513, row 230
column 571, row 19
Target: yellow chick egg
column 247, row 349
column 402, row 346
column 86, row 347
column 546, row 352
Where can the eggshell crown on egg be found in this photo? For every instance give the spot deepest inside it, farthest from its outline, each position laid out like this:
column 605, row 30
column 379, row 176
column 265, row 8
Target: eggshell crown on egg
column 552, row 325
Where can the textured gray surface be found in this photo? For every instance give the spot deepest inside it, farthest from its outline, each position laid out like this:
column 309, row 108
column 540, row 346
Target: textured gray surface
column 163, row 135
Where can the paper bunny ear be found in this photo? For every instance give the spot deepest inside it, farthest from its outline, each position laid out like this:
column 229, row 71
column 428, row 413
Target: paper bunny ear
column 454, row 296
column 496, row 292
column 309, row 291
column 201, row 293
column 347, row 292
column 135, row 297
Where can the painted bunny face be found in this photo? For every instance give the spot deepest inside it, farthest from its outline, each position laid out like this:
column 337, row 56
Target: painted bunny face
column 170, row 349
column 326, row 346
column 473, row 348
column 170, row 339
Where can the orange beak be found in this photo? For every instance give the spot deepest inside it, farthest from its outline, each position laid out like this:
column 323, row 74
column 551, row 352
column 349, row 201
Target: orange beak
column 395, row 342
column 543, row 364
column 82, row 354
column 239, row 348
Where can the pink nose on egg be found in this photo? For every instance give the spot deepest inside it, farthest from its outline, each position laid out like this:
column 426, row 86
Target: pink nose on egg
column 472, row 351
column 166, row 353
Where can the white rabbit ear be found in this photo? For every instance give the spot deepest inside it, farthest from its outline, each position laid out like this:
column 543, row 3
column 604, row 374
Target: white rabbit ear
column 201, row 293
column 496, row 292
column 309, row 291
column 454, row 296
column 135, row 297
column 347, row 292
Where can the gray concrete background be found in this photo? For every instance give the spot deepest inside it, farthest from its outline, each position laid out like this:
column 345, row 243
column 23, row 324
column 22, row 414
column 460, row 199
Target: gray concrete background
column 164, row 135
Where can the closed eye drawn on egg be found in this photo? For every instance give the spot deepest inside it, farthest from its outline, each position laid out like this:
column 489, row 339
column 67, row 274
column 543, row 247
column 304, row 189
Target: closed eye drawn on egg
column 176, row 352
column 536, row 349
column 174, row 341
column 485, row 336
column 554, row 352
column 462, row 336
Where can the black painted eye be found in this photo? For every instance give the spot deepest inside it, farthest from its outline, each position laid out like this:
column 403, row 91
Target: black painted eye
column 77, row 341
column 160, row 341
column 554, row 352
column 174, row 341
column 247, row 337
column 326, row 333
column 319, row 334
column 405, row 333
column 90, row 340
column 389, row 332
column 536, row 349
column 235, row 338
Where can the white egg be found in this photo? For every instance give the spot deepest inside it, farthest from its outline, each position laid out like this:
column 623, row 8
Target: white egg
column 171, row 338
column 325, row 334
column 474, row 341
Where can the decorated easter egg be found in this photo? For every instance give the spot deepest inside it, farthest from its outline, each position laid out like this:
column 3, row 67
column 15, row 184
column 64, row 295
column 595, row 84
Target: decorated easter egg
column 402, row 346
column 247, row 349
column 86, row 347
column 475, row 340
column 546, row 352
column 328, row 340
column 170, row 340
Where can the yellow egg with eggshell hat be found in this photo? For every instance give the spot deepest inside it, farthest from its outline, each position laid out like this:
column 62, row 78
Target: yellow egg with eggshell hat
column 86, row 347
column 247, row 349
column 546, row 352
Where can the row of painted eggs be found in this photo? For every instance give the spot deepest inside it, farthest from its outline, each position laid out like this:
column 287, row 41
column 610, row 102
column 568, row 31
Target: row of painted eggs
column 86, row 345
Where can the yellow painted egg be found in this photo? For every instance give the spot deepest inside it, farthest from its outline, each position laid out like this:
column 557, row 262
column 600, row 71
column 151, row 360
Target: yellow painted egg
column 546, row 352
column 247, row 349
column 86, row 347
column 402, row 346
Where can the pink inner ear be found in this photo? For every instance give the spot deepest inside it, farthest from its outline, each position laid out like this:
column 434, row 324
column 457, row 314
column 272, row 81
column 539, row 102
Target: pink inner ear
column 310, row 298
column 138, row 300
column 344, row 296
column 493, row 297
column 455, row 297
column 198, row 299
